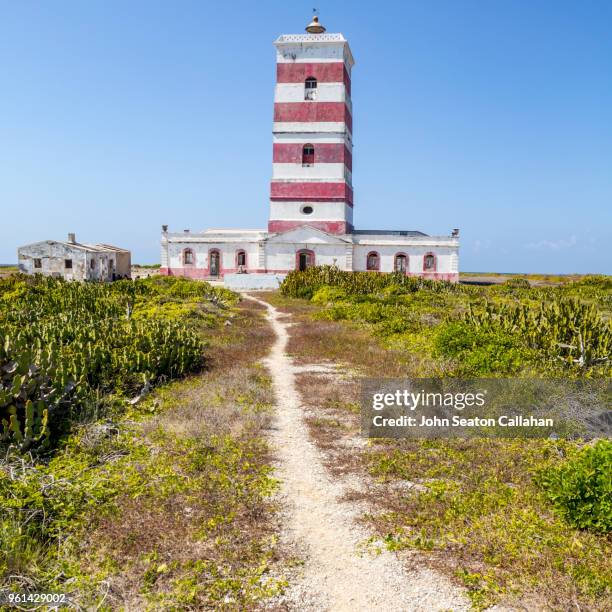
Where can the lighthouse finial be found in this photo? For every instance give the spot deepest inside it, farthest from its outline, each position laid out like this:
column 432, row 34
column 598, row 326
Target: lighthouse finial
column 314, row 27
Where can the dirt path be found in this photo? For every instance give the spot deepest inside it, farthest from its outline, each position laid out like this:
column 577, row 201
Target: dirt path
column 339, row 574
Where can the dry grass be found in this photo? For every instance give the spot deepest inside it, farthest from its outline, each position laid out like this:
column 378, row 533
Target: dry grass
column 471, row 508
column 202, row 536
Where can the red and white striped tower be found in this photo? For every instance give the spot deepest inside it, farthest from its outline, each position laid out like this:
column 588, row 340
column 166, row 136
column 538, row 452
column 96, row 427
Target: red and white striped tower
column 312, row 133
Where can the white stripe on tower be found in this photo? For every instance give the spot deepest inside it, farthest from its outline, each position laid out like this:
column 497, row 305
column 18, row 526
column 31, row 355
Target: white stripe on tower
column 312, row 134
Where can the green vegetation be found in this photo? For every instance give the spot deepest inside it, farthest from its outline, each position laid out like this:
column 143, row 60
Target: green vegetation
column 459, row 330
column 510, row 519
column 68, row 347
column 581, row 487
column 148, row 493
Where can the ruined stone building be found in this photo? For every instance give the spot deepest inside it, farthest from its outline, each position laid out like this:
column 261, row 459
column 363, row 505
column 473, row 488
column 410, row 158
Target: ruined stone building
column 311, row 192
column 74, row 261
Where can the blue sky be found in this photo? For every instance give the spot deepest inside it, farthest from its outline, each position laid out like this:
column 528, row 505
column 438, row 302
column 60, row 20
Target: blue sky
column 491, row 116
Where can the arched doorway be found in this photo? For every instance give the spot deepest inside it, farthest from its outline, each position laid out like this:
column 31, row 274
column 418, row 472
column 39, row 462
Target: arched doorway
column 305, row 259
column 214, row 263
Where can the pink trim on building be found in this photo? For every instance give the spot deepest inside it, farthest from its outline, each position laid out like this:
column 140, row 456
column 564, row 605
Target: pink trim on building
column 288, row 191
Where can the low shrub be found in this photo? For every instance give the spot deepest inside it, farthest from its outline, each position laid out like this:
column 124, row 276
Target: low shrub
column 482, row 352
column 581, row 487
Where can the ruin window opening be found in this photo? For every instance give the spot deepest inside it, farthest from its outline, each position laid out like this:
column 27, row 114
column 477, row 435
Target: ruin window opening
column 92, row 264
column 68, row 264
column 37, row 263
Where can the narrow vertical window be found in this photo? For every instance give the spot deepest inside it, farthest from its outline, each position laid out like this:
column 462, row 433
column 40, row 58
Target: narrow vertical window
column 38, row 263
column 214, row 262
column 68, row 264
column 401, row 263
column 241, row 260
column 310, row 88
column 188, row 257
column 429, row 262
column 373, row 261
column 308, row 155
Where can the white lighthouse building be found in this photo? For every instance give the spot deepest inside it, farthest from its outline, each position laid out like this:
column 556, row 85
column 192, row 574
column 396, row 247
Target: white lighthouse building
column 311, row 192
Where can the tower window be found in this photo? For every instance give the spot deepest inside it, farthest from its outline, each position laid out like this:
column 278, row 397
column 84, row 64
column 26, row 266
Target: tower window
column 310, row 88
column 373, row 261
column 429, row 262
column 308, row 155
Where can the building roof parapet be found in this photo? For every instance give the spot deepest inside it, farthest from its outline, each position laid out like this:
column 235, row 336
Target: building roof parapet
column 306, row 40
column 91, row 248
column 327, row 37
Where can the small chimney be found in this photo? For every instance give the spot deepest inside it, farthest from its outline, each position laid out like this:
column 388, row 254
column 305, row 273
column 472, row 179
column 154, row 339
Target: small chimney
column 164, row 228
column 455, row 233
column 71, row 238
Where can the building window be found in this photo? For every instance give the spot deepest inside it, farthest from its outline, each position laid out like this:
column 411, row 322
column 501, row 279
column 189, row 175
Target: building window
column 68, row 264
column 188, row 258
column 308, row 155
column 92, row 264
column 401, row 263
column 310, row 88
column 37, row 263
column 241, row 260
column 307, row 210
column 373, row 261
column 429, row 262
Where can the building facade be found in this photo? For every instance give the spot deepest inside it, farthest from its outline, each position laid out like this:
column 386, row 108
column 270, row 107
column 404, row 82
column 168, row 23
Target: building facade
column 311, row 192
column 74, row 261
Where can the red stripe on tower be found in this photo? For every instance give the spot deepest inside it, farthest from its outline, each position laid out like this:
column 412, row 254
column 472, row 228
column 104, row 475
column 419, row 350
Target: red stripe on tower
column 324, row 153
column 331, row 227
column 324, row 72
column 312, row 112
column 312, row 191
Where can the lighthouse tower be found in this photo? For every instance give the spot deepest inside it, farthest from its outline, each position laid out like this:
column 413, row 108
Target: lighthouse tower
column 312, row 133
column 311, row 193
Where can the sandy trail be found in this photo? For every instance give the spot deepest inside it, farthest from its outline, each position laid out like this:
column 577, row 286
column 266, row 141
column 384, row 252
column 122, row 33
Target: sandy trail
column 338, row 573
